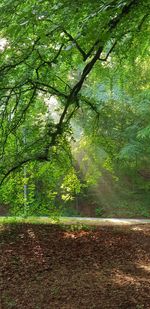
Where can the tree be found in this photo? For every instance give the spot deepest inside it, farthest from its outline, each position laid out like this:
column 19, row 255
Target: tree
column 51, row 50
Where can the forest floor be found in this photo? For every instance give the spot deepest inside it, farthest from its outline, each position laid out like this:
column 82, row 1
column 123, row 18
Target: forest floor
column 47, row 266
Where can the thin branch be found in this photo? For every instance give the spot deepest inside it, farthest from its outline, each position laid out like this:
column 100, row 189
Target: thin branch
column 66, row 84
column 39, row 158
column 76, row 43
column 125, row 11
column 50, row 62
column 92, row 106
column 109, row 52
column 91, row 49
column 55, row 91
column 72, row 113
column 14, row 168
column 142, row 22
column 17, row 123
column 10, row 66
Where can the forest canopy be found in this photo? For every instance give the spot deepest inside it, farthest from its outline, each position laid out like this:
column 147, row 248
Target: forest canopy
column 71, row 70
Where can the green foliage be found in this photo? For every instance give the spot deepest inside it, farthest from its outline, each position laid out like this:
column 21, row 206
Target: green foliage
column 99, row 211
column 79, row 227
column 46, row 186
column 71, row 186
column 71, row 71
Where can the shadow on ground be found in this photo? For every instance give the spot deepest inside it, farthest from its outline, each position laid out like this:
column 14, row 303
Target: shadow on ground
column 46, row 266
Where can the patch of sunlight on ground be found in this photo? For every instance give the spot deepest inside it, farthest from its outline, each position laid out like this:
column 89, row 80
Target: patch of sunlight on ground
column 145, row 267
column 36, row 247
column 123, row 279
column 2, row 227
column 136, row 228
column 70, row 234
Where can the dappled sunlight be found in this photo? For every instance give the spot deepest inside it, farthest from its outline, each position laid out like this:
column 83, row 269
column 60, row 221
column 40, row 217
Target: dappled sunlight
column 145, row 267
column 69, row 235
column 36, row 248
column 122, row 278
column 118, row 221
column 51, row 265
column 3, row 227
column 127, row 221
column 53, row 108
column 31, row 233
column 136, row 228
column 3, row 44
column 75, row 235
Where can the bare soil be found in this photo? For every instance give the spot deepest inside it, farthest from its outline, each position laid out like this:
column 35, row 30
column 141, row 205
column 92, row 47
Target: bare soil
column 49, row 266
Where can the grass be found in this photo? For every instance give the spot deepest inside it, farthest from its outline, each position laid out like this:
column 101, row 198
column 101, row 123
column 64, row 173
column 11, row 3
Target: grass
column 75, row 223
column 33, row 220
